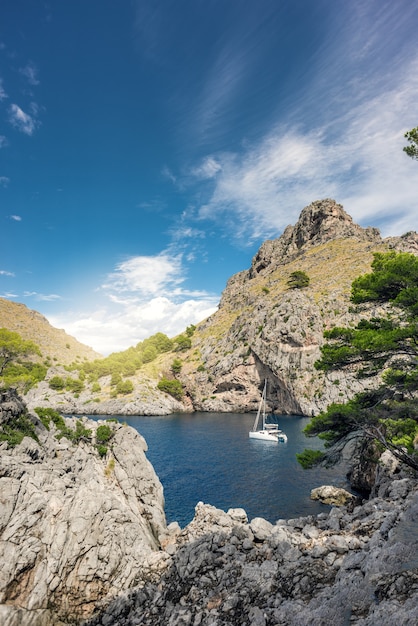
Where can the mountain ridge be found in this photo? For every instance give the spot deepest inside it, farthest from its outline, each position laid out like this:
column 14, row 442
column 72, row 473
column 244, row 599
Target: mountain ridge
column 261, row 330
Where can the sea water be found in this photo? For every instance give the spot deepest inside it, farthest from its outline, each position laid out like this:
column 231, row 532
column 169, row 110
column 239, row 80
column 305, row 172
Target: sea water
column 209, row 457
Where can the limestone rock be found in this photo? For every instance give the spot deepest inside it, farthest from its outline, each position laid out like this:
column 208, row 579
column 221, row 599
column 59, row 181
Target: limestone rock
column 305, row 571
column 332, row 495
column 264, row 330
column 75, row 527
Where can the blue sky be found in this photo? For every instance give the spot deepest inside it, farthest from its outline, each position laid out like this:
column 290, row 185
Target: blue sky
column 148, row 148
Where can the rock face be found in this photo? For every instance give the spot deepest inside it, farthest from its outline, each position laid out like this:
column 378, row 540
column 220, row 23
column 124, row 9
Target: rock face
column 358, row 567
column 74, row 527
column 265, row 330
column 146, row 399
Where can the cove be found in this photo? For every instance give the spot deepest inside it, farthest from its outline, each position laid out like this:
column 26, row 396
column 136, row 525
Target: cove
column 209, row 457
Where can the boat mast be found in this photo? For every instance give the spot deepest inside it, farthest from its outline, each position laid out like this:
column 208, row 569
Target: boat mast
column 262, row 406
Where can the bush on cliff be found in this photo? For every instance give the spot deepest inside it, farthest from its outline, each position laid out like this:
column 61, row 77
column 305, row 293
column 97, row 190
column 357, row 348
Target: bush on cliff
column 388, row 345
column 172, row 387
column 17, row 365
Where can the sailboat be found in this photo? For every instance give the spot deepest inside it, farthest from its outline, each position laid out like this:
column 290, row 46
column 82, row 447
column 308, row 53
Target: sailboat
column 268, row 431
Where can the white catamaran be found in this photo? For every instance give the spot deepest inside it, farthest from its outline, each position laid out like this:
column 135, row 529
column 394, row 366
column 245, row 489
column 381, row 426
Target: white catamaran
column 268, row 432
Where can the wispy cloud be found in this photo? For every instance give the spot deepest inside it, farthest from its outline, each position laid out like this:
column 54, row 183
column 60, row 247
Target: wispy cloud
column 355, row 156
column 15, row 218
column 41, row 297
column 3, row 141
column 3, row 94
column 6, row 273
column 22, row 121
column 30, row 71
column 4, row 181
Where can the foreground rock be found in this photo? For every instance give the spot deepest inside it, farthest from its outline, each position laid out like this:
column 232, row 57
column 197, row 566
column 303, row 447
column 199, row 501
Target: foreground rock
column 328, row 494
column 74, row 527
column 338, row 568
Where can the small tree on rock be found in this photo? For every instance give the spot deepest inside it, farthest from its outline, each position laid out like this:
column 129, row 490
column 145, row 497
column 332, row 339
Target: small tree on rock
column 298, row 280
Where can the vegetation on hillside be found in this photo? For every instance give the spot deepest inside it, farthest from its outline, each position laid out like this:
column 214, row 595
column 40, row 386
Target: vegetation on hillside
column 388, row 345
column 18, row 367
column 127, row 362
column 298, row 280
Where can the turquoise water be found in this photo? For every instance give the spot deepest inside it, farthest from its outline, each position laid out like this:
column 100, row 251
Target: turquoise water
column 209, row 457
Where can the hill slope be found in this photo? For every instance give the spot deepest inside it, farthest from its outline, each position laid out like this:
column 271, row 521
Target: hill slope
column 53, row 342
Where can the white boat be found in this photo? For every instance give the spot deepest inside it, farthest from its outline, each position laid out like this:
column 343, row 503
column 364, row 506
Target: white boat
column 268, row 431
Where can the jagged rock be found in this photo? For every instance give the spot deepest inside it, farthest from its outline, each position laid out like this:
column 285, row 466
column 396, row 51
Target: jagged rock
column 332, row 495
column 264, row 330
column 74, row 527
column 305, row 571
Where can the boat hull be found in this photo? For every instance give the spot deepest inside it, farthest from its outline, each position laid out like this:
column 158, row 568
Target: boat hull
column 268, row 435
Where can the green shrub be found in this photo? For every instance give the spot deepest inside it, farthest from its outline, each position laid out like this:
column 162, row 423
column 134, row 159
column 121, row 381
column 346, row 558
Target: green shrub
column 16, row 429
column 48, row 415
column 172, row 387
column 125, row 387
column 183, row 343
column 101, row 449
column 57, row 383
column 176, row 366
column 309, row 458
column 104, row 433
column 74, row 384
column 298, row 280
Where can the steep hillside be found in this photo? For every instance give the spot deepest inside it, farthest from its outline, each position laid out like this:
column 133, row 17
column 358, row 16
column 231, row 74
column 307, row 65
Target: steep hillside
column 55, row 343
column 264, row 329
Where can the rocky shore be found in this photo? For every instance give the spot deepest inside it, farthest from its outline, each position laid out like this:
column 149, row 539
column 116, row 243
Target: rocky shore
column 355, row 565
column 83, row 540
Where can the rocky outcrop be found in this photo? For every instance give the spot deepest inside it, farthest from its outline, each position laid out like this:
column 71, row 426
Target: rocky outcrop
column 75, row 527
column 354, row 565
column 319, row 223
column 265, row 330
column 83, row 540
column 145, row 399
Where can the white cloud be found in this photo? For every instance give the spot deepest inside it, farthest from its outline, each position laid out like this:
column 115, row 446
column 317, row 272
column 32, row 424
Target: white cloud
column 22, row 121
column 41, row 297
column 16, row 218
column 4, row 181
column 145, row 295
column 356, row 157
column 30, row 71
column 207, row 169
column 5, row 273
column 110, row 330
column 3, row 141
column 146, row 275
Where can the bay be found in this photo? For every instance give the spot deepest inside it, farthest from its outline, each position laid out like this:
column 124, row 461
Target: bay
column 209, row 457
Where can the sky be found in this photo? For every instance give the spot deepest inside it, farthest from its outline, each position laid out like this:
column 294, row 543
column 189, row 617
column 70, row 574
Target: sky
column 149, row 147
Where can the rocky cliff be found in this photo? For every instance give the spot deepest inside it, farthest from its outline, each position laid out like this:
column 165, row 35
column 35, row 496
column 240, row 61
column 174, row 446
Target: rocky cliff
column 354, row 565
column 75, row 527
column 264, row 329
